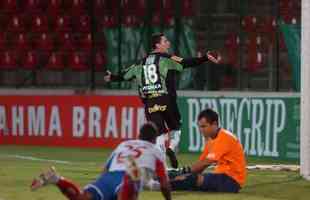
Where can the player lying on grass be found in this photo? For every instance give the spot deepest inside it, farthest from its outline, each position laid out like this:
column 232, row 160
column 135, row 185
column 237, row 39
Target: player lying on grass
column 131, row 165
column 223, row 150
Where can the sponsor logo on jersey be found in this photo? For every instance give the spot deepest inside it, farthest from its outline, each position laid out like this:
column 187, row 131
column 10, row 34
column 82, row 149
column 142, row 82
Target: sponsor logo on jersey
column 152, row 87
column 157, row 108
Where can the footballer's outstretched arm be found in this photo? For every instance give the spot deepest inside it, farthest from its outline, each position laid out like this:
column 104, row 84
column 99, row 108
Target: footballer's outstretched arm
column 126, row 75
column 196, row 61
column 112, row 77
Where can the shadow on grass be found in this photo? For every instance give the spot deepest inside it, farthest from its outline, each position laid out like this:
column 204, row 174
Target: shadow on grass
column 289, row 180
column 191, row 192
column 250, row 189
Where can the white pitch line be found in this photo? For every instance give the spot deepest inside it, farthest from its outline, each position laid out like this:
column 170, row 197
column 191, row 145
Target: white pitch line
column 36, row 159
column 43, row 160
column 251, row 167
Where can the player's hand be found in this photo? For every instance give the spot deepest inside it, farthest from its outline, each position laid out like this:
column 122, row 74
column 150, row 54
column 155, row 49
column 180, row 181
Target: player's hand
column 176, row 58
column 107, row 76
column 185, row 170
column 214, row 57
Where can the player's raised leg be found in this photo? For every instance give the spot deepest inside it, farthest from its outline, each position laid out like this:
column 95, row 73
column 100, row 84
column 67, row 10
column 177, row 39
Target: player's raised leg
column 68, row 188
column 173, row 120
column 172, row 148
column 175, row 137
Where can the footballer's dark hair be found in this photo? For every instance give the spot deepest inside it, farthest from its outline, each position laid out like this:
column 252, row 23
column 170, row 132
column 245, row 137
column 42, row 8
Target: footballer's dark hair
column 210, row 115
column 148, row 132
column 155, row 39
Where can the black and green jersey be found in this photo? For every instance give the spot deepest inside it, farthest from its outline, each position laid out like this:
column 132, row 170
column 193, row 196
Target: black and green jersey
column 151, row 74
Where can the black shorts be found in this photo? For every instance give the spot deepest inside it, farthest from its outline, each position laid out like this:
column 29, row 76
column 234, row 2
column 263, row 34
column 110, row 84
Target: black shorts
column 164, row 112
column 211, row 183
column 219, row 183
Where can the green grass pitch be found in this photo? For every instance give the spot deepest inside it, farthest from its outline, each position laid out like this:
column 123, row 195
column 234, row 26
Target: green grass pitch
column 83, row 165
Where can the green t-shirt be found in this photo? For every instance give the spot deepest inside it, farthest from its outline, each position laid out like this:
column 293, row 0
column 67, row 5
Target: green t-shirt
column 151, row 73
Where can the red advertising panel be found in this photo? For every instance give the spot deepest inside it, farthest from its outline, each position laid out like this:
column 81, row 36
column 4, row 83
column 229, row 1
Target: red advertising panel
column 80, row 121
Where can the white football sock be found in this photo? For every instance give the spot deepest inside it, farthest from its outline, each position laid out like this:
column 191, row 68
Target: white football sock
column 161, row 142
column 175, row 137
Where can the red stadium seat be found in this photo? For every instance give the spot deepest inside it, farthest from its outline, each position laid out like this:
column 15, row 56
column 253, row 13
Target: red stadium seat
column 56, row 61
column 62, row 24
column 99, row 61
column 77, row 61
column 131, row 21
column 166, row 5
column 297, row 7
column 286, row 6
column 291, row 19
column 3, row 21
column 16, row 24
column 106, row 7
column 85, row 41
column 290, row 10
column 54, row 7
column 156, row 19
column 249, row 24
column 112, row 7
column 32, row 6
column 44, row 42
column 30, row 60
column 268, row 25
column 3, row 41
column 167, row 19
column 140, row 8
column 254, row 59
column 8, row 60
column 107, row 21
column 187, row 8
column 264, row 42
column 77, row 7
column 21, row 42
column 268, row 30
column 128, row 6
column 134, row 7
column 40, row 23
column 282, row 44
column 67, row 4
column 169, row 5
column 9, row 6
column 252, row 41
column 99, row 7
column 232, row 44
column 228, row 81
column 232, row 41
column 82, row 24
column 66, row 41
column 100, row 43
